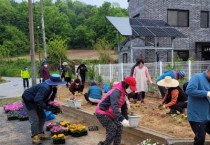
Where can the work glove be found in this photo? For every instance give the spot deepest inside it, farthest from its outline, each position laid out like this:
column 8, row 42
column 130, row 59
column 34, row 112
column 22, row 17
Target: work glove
column 125, row 123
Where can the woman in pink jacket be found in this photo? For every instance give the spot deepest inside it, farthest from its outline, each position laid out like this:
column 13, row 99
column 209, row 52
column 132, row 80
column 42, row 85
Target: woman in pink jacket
column 112, row 110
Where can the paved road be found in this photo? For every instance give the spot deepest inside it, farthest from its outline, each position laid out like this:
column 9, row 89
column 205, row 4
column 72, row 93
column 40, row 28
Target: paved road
column 13, row 87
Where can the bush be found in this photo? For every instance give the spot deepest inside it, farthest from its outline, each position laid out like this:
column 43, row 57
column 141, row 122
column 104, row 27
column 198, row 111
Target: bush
column 56, row 51
column 12, row 68
column 103, row 48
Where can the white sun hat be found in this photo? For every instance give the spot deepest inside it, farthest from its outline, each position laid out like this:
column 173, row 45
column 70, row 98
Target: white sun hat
column 168, row 82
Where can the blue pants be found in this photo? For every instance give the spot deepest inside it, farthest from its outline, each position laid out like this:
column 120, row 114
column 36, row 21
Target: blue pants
column 36, row 119
column 200, row 129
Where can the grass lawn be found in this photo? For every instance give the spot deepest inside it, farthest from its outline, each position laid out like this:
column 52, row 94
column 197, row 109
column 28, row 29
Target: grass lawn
column 9, row 100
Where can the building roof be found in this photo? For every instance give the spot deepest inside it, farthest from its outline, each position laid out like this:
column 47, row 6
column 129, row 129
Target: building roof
column 144, row 27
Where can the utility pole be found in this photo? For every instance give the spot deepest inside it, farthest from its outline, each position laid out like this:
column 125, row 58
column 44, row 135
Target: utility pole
column 43, row 29
column 32, row 48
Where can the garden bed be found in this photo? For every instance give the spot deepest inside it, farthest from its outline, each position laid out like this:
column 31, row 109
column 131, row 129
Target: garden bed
column 151, row 116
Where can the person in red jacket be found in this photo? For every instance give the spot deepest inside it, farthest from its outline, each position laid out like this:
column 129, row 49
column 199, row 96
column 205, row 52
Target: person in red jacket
column 75, row 87
column 111, row 111
column 175, row 98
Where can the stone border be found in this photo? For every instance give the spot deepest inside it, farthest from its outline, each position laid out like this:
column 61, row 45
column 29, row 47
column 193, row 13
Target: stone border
column 131, row 135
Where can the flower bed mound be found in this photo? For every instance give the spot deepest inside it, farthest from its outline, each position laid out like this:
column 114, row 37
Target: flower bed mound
column 151, row 116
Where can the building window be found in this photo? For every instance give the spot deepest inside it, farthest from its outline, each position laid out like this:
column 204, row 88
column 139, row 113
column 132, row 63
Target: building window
column 125, row 58
column 178, row 18
column 183, row 54
column 204, row 19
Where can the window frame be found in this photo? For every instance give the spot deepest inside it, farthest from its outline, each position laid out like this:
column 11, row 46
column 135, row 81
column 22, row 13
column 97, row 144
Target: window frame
column 178, row 10
column 207, row 18
column 125, row 58
column 187, row 53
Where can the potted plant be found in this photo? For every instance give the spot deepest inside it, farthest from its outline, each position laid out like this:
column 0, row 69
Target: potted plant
column 148, row 142
column 12, row 115
column 133, row 119
column 50, row 125
column 59, row 139
column 77, row 130
column 54, row 107
column 59, row 130
column 23, row 116
column 12, row 107
column 64, row 123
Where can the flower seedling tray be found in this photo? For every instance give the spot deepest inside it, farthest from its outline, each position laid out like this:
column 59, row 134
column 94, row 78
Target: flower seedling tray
column 79, row 134
column 59, row 141
column 23, row 118
column 12, row 117
column 93, row 128
column 63, row 132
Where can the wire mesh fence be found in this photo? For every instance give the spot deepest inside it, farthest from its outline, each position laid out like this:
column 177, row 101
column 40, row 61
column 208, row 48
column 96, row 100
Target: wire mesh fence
column 116, row 72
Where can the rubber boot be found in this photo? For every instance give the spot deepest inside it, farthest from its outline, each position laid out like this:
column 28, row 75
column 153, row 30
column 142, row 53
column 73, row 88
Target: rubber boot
column 42, row 136
column 36, row 140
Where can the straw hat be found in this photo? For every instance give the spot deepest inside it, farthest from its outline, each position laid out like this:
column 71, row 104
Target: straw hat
column 65, row 63
column 168, row 82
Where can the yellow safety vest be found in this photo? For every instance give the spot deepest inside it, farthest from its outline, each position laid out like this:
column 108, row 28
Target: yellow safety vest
column 25, row 74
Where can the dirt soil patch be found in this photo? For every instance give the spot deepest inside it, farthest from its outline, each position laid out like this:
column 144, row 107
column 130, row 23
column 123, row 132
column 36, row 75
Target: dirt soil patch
column 151, row 116
column 77, row 54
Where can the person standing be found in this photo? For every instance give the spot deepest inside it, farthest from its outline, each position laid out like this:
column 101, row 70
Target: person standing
column 25, row 75
column 44, row 72
column 198, row 91
column 82, row 69
column 175, row 98
column 35, row 100
column 141, row 75
column 173, row 74
column 111, row 111
column 66, row 72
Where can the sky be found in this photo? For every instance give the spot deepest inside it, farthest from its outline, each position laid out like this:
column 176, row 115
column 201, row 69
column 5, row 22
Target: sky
column 123, row 3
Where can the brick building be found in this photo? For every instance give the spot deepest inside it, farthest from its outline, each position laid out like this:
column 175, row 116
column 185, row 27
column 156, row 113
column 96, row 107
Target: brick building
column 191, row 17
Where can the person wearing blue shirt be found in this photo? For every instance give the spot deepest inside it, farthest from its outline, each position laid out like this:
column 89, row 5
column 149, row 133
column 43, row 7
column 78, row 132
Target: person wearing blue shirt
column 198, row 91
column 94, row 94
column 171, row 73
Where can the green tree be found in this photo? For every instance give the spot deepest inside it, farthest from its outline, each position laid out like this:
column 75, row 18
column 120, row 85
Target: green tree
column 13, row 40
column 56, row 47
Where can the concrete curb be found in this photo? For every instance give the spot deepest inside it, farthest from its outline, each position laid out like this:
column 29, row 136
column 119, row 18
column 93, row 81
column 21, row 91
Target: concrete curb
column 131, row 135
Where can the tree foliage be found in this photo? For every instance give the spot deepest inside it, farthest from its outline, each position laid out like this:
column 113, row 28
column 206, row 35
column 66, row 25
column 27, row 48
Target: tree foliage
column 56, row 51
column 81, row 25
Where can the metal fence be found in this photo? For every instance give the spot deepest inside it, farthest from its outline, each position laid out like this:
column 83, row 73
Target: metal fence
column 116, row 72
